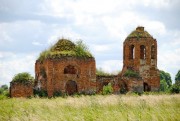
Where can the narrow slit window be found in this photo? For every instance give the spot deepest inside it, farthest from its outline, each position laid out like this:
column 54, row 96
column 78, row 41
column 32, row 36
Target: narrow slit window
column 153, row 52
column 132, row 52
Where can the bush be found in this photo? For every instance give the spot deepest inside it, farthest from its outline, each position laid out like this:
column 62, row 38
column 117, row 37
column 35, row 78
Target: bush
column 175, row 88
column 23, row 77
column 107, row 89
column 57, row 94
column 82, row 50
column 1, row 90
column 66, row 48
column 40, row 93
column 4, row 94
column 2, row 97
column 123, row 89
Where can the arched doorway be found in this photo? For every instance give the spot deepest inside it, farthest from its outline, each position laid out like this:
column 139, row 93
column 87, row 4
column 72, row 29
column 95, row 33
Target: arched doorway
column 147, row 88
column 123, row 88
column 71, row 87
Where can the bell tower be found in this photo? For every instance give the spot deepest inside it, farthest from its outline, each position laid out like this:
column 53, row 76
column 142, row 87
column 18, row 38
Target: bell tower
column 140, row 56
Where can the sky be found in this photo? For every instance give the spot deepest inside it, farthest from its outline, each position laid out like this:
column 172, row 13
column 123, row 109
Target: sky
column 28, row 27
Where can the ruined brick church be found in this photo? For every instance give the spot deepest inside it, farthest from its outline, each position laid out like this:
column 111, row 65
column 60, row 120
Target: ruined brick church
column 60, row 69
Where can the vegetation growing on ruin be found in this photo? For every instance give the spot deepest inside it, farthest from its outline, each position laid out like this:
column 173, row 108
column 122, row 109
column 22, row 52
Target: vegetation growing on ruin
column 66, row 48
column 23, row 77
column 108, row 89
column 131, row 73
column 139, row 34
column 92, row 108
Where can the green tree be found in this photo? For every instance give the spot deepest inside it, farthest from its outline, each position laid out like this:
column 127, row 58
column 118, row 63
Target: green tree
column 176, row 86
column 4, row 87
column 177, row 78
column 165, row 81
column 163, row 85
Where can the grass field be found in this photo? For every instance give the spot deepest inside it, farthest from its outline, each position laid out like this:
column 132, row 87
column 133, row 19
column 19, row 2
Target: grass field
column 90, row 108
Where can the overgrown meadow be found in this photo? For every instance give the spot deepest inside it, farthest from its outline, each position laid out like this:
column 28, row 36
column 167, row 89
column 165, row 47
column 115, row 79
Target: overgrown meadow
column 162, row 107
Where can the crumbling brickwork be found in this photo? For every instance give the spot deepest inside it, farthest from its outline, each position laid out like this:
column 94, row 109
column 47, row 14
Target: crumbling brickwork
column 60, row 69
column 66, row 74
column 140, row 55
column 105, row 80
column 21, row 89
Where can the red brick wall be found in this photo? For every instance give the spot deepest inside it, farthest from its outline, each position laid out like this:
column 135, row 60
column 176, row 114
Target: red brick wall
column 21, row 90
column 104, row 80
column 56, row 80
column 147, row 68
column 132, row 84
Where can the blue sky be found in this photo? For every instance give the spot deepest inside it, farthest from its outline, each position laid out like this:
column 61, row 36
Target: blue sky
column 27, row 27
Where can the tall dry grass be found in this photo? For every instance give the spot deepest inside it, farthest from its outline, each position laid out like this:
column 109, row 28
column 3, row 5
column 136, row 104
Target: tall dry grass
column 90, row 108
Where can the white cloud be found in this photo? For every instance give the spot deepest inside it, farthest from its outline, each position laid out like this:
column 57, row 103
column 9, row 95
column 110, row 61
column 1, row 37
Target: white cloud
column 63, row 33
column 117, row 26
column 110, row 66
column 168, row 53
column 36, row 43
column 6, row 54
column 9, row 31
column 100, row 48
column 16, row 64
column 156, row 3
column 4, row 37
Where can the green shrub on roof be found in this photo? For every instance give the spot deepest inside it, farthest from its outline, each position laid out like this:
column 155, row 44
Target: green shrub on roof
column 23, row 77
column 63, row 45
column 139, row 34
column 82, row 50
column 131, row 73
column 66, row 48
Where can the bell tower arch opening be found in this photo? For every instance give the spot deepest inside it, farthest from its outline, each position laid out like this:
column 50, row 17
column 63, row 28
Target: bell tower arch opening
column 131, row 52
column 142, row 52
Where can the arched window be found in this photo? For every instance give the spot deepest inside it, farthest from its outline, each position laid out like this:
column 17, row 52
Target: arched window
column 142, row 52
column 152, row 52
column 131, row 52
column 70, row 70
